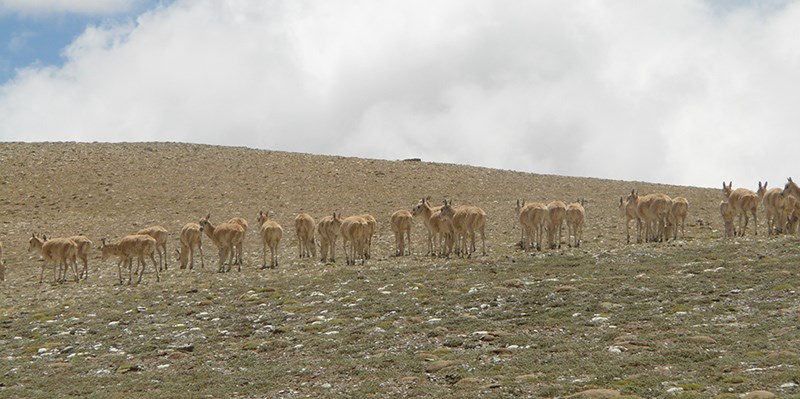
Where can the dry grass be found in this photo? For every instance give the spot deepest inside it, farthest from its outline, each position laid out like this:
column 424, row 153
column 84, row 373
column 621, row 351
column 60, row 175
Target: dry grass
column 702, row 317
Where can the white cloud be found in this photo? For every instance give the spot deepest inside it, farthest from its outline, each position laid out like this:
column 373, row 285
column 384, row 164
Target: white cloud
column 85, row 7
column 675, row 92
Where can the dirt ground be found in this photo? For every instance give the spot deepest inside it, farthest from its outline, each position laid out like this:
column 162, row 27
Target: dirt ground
column 698, row 317
column 109, row 190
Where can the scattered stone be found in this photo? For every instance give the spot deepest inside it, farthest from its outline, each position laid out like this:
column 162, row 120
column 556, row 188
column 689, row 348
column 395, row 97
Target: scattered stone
column 789, row 385
column 529, row 378
column 183, row 348
column 759, row 395
column 617, row 349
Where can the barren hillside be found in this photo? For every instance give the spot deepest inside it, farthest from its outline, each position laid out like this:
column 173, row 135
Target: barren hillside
column 700, row 317
column 109, row 190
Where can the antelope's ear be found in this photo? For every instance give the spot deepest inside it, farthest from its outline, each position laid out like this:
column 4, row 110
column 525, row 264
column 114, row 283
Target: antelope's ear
column 790, row 180
column 208, row 216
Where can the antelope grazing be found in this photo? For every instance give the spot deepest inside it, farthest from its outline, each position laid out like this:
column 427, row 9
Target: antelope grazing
column 726, row 211
column 191, row 238
column 225, row 237
column 328, row 229
column 628, row 211
column 134, row 245
column 400, row 223
column 61, row 252
column 575, row 215
column 677, row 217
column 354, row 230
column 304, row 229
column 532, row 218
column 239, row 249
column 742, row 202
column 773, row 201
column 556, row 210
column 271, row 234
column 160, row 234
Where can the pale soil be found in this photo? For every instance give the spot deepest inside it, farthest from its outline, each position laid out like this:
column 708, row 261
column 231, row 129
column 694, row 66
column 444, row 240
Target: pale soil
column 640, row 319
column 109, row 190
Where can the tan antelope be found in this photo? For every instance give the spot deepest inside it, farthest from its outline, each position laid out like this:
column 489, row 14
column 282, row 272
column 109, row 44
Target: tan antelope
column 226, row 237
column 743, row 203
column 271, row 234
column 466, row 220
column 628, row 211
column 372, row 224
column 400, row 223
column 161, row 235
column 556, row 210
column 304, row 229
column 575, row 216
column 677, row 217
column 773, row 201
column 134, row 245
column 61, row 252
column 239, row 249
column 533, row 219
column 191, row 238
column 84, row 247
column 328, row 229
column 354, row 230
column 726, row 211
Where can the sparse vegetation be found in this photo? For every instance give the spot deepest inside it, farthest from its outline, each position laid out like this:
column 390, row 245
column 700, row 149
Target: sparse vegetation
column 704, row 316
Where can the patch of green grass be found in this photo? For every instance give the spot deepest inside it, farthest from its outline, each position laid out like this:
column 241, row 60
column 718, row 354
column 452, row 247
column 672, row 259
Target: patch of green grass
column 496, row 322
column 691, row 387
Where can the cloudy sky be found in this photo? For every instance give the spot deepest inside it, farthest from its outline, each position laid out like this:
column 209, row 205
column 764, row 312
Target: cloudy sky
column 688, row 92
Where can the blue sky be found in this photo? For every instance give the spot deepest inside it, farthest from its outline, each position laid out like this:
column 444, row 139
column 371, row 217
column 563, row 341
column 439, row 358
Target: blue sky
column 687, row 92
column 35, row 33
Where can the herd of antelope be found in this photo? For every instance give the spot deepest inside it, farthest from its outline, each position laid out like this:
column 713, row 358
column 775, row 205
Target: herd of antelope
column 450, row 229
